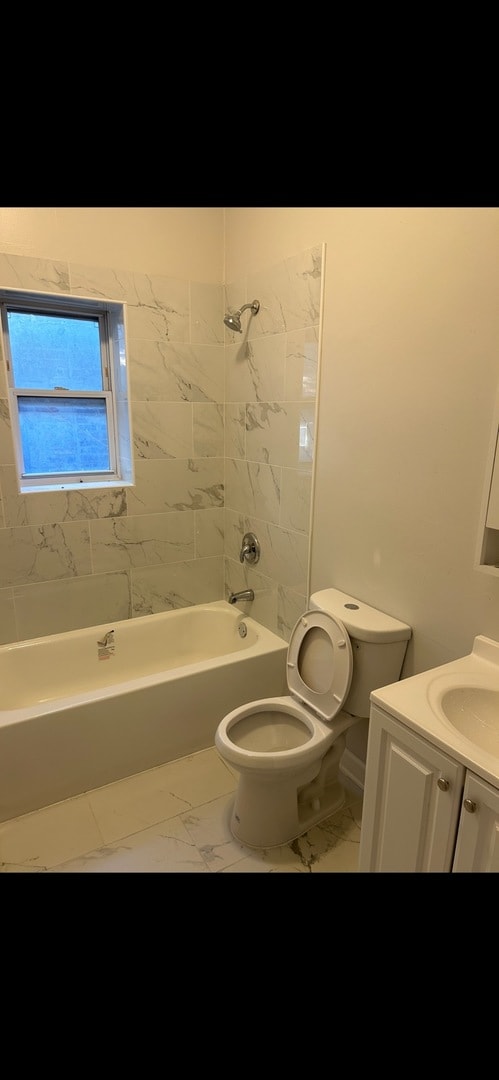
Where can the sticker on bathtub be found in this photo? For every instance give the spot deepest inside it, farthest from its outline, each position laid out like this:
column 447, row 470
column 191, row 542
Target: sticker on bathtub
column 106, row 647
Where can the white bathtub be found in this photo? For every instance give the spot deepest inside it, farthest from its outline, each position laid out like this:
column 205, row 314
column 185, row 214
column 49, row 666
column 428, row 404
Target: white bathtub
column 78, row 711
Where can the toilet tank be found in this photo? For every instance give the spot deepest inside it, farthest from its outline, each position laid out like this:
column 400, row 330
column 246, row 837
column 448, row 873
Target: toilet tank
column 378, row 641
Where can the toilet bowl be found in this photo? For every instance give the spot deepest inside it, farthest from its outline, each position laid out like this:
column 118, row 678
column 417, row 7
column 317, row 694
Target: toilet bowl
column 287, row 750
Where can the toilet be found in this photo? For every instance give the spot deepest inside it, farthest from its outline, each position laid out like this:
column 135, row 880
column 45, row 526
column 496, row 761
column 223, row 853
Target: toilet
column 287, row 750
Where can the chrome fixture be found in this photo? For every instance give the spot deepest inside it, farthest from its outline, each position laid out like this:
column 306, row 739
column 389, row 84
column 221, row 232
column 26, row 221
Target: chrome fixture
column 107, row 640
column 250, row 550
column 246, row 594
column 233, row 321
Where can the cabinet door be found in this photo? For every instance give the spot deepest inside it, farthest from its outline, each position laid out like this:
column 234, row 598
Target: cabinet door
column 477, row 848
column 412, row 798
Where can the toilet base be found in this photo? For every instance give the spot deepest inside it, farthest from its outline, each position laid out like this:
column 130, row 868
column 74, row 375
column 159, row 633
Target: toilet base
column 278, row 823
column 273, row 808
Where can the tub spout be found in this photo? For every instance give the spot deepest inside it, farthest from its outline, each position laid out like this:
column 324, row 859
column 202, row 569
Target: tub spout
column 246, row 594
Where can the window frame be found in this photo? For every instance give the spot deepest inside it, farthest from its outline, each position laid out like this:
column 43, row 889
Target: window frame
column 111, row 321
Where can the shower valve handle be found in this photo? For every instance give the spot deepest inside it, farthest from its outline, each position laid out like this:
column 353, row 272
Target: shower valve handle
column 250, row 551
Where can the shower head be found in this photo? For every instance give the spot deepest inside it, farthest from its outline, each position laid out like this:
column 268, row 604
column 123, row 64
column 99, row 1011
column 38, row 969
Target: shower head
column 233, row 321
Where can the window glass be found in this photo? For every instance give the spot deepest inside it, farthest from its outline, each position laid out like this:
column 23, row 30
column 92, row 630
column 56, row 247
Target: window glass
column 63, row 434
column 50, row 351
column 67, row 373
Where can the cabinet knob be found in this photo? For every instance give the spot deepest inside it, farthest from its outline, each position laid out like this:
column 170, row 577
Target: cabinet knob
column 442, row 783
column 469, row 805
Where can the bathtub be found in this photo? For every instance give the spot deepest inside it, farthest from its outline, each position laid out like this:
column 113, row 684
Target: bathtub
column 86, row 708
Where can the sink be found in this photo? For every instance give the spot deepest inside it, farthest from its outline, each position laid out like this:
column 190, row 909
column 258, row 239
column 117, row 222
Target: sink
column 474, row 712
column 455, row 706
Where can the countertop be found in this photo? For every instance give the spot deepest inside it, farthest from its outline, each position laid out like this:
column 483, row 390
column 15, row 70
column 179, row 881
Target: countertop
column 414, row 701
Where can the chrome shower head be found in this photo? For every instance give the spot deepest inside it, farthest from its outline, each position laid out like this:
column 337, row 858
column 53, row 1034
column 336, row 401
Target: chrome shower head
column 233, row 321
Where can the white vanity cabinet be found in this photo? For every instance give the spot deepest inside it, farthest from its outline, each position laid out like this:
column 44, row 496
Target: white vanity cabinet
column 477, row 846
column 423, row 811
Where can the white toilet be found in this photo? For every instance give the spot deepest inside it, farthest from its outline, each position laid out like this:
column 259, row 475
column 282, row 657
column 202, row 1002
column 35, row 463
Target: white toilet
column 287, row 750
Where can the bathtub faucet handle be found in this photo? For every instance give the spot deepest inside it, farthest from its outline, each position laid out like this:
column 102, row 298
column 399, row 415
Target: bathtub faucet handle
column 250, row 549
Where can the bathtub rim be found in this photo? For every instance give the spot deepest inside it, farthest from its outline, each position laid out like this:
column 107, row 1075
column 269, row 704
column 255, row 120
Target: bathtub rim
column 267, row 641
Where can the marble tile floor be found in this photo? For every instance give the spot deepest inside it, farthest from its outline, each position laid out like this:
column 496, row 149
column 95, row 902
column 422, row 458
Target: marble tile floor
column 173, row 819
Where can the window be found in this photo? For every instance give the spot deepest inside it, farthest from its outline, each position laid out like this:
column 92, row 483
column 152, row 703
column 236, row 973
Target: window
column 66, row 368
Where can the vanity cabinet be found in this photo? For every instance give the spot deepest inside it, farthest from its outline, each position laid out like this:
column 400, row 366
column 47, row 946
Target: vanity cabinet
column 477, row 846
column 423, row 811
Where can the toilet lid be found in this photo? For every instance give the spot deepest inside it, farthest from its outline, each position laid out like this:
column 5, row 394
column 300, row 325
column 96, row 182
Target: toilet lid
column 320, row 663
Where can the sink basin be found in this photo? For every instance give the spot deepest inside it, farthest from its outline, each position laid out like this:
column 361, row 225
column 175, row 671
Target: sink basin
column 455, row 706
column 474, row 712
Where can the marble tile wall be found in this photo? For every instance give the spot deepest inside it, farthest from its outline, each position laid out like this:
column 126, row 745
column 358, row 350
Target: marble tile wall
column 271, row 387
column 223, row 442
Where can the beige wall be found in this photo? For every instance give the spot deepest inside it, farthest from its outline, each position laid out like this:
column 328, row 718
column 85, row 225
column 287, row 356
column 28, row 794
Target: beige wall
column 181, row 241
column 410, row 366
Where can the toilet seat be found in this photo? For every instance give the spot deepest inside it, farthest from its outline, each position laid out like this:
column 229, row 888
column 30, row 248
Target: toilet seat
column 320, row 663
column 319, row 674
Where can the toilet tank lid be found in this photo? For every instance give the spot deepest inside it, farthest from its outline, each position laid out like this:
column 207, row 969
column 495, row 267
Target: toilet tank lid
column 362, row 622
